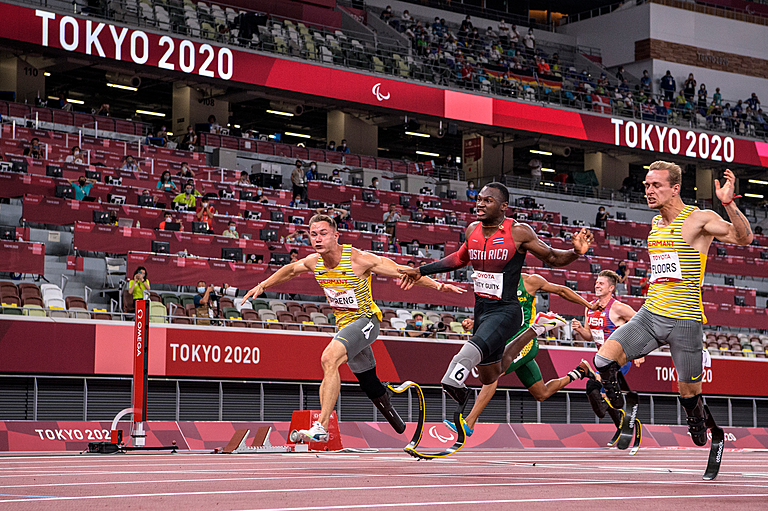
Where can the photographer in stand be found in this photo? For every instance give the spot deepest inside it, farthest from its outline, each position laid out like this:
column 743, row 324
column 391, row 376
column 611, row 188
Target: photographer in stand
column 208, row 301
column 419, row 328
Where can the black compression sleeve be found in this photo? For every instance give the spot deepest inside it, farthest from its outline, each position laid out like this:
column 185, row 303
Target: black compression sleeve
column 448, row 263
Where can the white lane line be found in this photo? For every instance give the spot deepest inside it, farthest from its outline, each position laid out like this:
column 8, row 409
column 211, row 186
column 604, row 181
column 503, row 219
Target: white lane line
column 367, row 488
column 502, row 501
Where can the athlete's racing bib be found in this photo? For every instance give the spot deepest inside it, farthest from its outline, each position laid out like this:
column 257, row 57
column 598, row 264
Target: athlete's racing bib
column 665, row 267
column 345, row 300
column 489, row 284
column 598, row 336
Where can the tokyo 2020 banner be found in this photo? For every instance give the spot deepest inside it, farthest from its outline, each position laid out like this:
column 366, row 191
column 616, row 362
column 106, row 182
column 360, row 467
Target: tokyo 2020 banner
column 179, row 56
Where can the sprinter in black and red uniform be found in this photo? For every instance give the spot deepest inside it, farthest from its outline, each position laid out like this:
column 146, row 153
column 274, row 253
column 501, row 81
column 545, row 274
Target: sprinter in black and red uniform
column 495, row 246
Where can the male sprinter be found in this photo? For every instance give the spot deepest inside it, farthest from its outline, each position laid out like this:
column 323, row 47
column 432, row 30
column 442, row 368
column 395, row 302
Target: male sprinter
column 344, row 273
column 598, row 325
column 525, row 366
column 673, row 314
column 495, row 246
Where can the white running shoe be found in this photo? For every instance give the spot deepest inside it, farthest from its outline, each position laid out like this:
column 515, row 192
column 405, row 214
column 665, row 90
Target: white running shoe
column 316, row 433
column 546, row 321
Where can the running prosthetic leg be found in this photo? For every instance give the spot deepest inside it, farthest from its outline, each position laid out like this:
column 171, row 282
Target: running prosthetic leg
column 697, row 418
column 716, row 449
column 412, row 446
column 384, row 405
column 599, row 405
column 609, row 374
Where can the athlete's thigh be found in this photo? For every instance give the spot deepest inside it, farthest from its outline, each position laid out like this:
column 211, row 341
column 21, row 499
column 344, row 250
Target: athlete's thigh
column 529, row 374
column 636, row 336
column 685, row 346
column 358, row 335
column 492, row 334
column 527, row 354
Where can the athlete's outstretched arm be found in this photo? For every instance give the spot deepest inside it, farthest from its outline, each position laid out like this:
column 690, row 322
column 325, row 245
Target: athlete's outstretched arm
column 388, row 268
column 528, row 240
column 564, row 292
column 284, row 274
column 737, row 231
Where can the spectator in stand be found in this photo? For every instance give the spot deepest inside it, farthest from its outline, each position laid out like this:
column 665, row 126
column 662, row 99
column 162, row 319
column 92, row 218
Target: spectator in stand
column 104, row 110
column 82, row 187
column 471, row 192
column 620, row 74
column 231, row 231
column 759, row 230
column 163, row 136
column 294, row 255
column 753, row 102
column 530, row 42
column 543, row 231
column 64, row 104
column 418, row 328
column 187, row 197
column 190, row 140
column 535, row 168
column 702, row 94
column 169, row 220
column 343, row 147
column 297, row 180
column 645, row 82
column 201, row 300
column 503, row 33
column 311, row 174
column 466, row 27
column 298, row 237
column 139, row 283
column 186, row 171
column 514, row 36
column 603, row 81
column 425, row 218
column 297, row 202
column 542, row 66
column 260, row 197
column 621, row 286
column 411, row 264
column 450, row 162
column 36, row 150
column 205, row 213
column 129, row 164
column 195, row 192
column 405, row 21
column 165, row 184
column 244, row 180
column 390, row 220
column 213, row 126
column 717, row 98
column 668, row 85
column 150, row 200
column 387, row 14
column 374, row 183
column 689, row 88
column 601, row 219
column 75, row 156
column 490, row 35
column 331, row 146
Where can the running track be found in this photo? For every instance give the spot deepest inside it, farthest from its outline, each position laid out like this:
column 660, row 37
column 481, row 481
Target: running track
column 562, row 479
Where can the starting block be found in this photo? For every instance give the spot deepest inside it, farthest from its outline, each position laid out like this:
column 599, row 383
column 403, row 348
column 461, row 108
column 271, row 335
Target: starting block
column 260, row 443
column 303, row 419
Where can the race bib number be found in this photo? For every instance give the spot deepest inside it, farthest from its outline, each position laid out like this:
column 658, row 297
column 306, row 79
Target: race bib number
column 488, row 284
column 345, row 300
column 665, row 267
column 459, row 374
column 598, row 336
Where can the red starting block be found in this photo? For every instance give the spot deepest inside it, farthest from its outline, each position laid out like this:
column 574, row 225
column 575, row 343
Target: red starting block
column 303, row 419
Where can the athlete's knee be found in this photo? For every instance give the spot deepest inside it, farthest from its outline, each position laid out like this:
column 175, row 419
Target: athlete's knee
column 609, row 374
column 462, row 364
column 333, row 356
column 489, row 375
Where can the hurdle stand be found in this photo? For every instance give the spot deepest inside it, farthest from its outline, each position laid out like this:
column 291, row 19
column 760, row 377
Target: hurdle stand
column 138, row 393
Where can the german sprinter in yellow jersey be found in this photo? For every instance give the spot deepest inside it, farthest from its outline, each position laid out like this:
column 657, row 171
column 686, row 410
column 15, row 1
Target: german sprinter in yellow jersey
column 344, row 273
column 672, row 314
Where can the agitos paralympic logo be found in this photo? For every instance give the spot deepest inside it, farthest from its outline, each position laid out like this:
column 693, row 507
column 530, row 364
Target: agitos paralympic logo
column 376, row 92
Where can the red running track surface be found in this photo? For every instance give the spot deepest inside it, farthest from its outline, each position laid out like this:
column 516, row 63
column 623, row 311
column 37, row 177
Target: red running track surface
column 533, row 480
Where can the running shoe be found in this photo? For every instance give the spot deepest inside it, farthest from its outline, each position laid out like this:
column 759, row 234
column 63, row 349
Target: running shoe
column 546, row 321
column 587, row 369
column 467, row 430
column 316, row 433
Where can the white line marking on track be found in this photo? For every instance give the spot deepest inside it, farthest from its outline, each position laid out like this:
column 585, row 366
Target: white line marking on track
column 501, row 501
